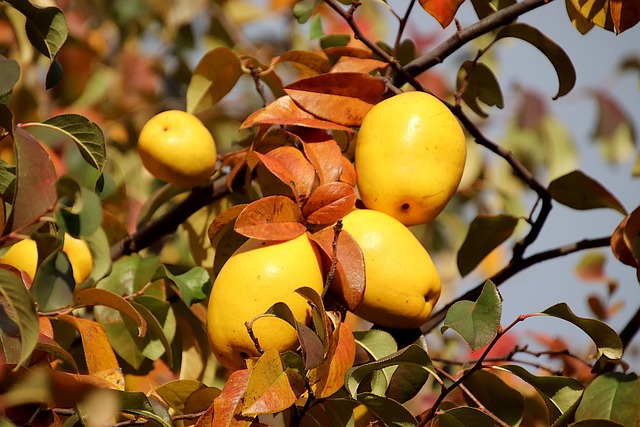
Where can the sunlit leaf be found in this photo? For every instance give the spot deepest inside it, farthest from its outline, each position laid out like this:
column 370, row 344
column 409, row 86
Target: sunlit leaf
column 350, row 64
column 554, row 53
column 376, row 342
column 329, row 202
column 579, row 191
column 283, row 111
column 605, row 338
column 476, row 322
column 497, row 396
column 348, row 283
column 87, row 136
column 486, row 232
column 194, row 285
column 582, row 24
column 35, row 193
column 310, row 63
column 625, row 14
column 230, row 401
column 46, row 27
column 18, row 298
column 478, row 82
column 343, row 98
column 98, row 352
column 226, row 217
column 591, row 266
column 614, row 131
column 271, row 218
column 443, row 10
column 328, row 378
column 324, row 154
column 625, row 238
column 412, row 355
column 215, row 75
column 485, row 8
column 175, row 393
column 611, row 396
column 271, row 389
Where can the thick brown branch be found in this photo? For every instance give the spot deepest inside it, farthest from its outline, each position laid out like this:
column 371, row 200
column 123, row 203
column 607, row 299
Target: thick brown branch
column 512, row 269
column 169, row 221
column 455, row 42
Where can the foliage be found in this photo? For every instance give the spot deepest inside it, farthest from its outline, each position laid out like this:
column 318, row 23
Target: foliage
column 128, row 346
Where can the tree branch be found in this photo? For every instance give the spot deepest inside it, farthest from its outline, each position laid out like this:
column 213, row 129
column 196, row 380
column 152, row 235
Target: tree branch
column 460, row 38
column 512, row 269
column 169, row 221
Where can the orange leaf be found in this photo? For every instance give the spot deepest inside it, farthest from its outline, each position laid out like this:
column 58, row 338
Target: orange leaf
column 348, row 174
column 344, row 98
column 229, row 403
column 329, row 377
column 624, row 238
column 443, row 10
column 283, row 111
column 348, row 283
column 271, row 389
column 325, row 155
column 591, row 267
column 356, row 52
column 223, row 219
column 290, row 166
column 625, row 14
column 206, row 419
column 329, row 202
column 271, row 218
column 98, row 352
column 310, row 63
column 349, row 64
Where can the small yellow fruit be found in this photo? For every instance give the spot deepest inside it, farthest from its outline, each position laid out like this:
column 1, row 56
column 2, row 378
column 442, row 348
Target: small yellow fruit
column 402, row 283
column 177, row 148
column 23, row 255
column 410, row 155
column 79, row 256
column 255, row 277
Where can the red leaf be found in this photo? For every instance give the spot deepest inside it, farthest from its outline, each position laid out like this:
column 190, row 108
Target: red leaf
column 325, row 156
column 348, row 283
column 271, row 218
column 443, row 10
column 625, row 14
column 343, row 98
column 329, row 202
column 290, row 166
column 283, row 111
column 229, row 403
column 35, row 192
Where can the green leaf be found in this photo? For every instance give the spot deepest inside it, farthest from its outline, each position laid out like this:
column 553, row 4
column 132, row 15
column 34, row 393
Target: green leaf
column 406, row 382
column 303, row 10
column 95, row 296
column 485, row 8
column 35, row 177
column 579, row 191
column 554, row 53
column 9, row 74
column 54, row 75
column 466, row 417
column 156, row 201
column 53, row 285
column 496, row 396
column 611, row 396
column 486, row 232
column 376, row 342
column 476, row 322
column 479, row 83
column 138, row 404
column 215, row 75
column 559, row 393
column 78, row 211
column 194, row 285
column 161, row 323
column 390, row 412
column 605, row 338
column 17, row 295
column 46, row 27
column 411, row 355
column 596, row 423
column 87, row 136
column 99, row 246
column 175, row 393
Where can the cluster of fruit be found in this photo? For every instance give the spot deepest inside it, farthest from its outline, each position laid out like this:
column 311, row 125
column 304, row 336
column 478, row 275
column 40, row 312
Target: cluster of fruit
column 409, row 158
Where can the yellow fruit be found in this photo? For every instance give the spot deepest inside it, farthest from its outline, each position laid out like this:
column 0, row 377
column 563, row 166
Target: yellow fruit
column 79, row 256
column 255, row 277
column 177, row 148
column 409, row 158
column 23, row 255
column 402, row 283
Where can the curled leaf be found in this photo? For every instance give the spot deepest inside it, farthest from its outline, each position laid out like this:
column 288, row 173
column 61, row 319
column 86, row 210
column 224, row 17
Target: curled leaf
column 478, row 82
column 625, row 238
